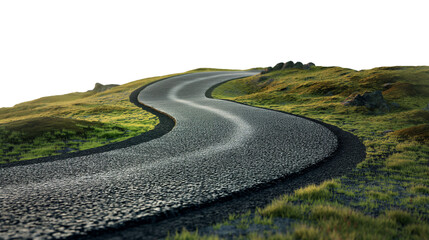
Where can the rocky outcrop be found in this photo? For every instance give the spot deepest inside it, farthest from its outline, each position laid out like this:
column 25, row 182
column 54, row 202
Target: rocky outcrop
column 278, row 66
column 309, row 65
column 289, row 65
column 101, row 88
column 372, row 100
column 299, row 65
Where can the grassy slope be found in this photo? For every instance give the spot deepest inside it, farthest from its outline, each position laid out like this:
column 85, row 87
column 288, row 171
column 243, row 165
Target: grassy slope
column 387, row 196
column 76, row 121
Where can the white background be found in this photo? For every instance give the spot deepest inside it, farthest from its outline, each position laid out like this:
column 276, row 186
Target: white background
column 50, row 47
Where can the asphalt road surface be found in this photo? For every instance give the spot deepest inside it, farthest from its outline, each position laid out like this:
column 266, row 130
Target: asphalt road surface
column 216, row 148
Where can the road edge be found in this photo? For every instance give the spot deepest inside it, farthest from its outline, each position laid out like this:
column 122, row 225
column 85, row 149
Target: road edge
column 349, row 152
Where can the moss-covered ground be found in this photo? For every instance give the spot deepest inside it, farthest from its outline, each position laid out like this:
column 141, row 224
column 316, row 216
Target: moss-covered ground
column 71, row 122
column 385, row 197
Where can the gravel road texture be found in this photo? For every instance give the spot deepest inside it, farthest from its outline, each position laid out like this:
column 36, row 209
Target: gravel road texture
column 216, row 149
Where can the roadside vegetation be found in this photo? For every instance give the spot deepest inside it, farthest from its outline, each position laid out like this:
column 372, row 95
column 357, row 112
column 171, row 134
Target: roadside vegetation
column 76, row 121
column 71, row 122
column 386, row 196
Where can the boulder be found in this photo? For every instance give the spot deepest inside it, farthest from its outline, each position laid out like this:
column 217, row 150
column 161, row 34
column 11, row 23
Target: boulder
column 298, row 65
column 278, row 66
column 371, row 100
column 288, row 65
column 101, row 88
column 309, row 65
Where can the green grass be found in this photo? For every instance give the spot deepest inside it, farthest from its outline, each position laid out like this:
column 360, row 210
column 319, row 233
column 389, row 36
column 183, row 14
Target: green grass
column 186, row 235
column 387, row 195
column 314, row 193
column 77, row 121
column 71, row 122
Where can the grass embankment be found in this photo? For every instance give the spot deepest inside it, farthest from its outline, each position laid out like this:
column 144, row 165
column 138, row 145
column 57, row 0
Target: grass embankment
column 76, row 121
column 387, row 195
column 71, row 122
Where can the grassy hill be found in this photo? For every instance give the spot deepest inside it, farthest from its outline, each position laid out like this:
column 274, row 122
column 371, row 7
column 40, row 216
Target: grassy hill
column 71, row 122
column 319, row 93
column 387, row 196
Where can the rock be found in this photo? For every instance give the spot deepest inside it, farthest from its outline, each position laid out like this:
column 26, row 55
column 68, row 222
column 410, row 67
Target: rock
column 298, row 65
column 288, row 65
column 278, row 66
column 426, row 108
column 101, row 88
column 309, row 65
column 371, row 100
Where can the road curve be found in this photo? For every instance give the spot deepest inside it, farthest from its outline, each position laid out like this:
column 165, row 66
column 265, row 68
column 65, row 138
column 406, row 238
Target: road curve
column 216, row 149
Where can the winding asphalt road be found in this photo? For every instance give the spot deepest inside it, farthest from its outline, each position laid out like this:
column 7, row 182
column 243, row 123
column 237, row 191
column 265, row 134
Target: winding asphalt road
column 217, row 148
